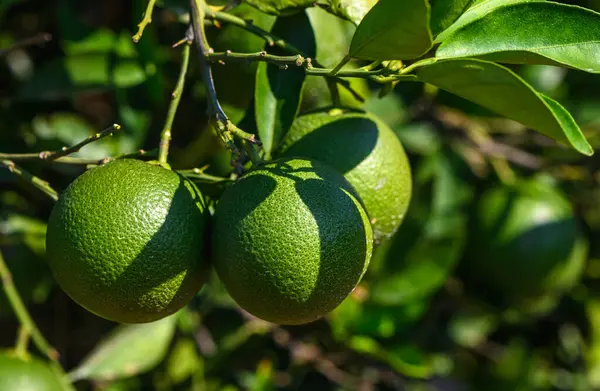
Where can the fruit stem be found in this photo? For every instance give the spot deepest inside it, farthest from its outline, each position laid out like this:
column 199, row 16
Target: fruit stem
column 165, row 136
column 21, row 312
column 145, row 21
column 35, row 181
column 275, row 41
column 22, row 342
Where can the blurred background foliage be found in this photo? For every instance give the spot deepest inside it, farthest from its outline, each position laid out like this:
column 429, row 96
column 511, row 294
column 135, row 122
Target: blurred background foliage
column 412, row 324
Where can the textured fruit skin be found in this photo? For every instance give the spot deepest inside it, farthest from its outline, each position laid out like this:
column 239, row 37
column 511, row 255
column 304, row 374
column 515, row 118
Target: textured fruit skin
column 369, row 155
column 17, row 374
column 127, row 240
column 291, row 241
column 524, row 244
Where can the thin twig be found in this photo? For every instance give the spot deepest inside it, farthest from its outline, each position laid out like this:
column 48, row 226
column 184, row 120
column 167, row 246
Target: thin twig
column 35, row 181
column 223, row 57
column 165, row 136
column 145, row 21
column 33, row 41
column 21, row 312
column 15, row 157
column 379, row 76
column 75, row 148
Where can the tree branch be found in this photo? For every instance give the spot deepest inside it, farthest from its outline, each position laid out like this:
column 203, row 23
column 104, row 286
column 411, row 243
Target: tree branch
column 224, row 127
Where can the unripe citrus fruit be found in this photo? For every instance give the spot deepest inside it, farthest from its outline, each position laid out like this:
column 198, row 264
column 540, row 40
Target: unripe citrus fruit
column 291, row 241
column 524, row 244
column 369, row 155
column 126, row 241
column 26, row 375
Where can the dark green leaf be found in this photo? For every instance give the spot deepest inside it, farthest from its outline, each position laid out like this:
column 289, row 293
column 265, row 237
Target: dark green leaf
column 445, row 12
column 129, row 350
column 393, row 30
column 280, row 7
column 531, row 33
column 279, row 91
column 499, row 89
column 235, row 82
column 478, row 9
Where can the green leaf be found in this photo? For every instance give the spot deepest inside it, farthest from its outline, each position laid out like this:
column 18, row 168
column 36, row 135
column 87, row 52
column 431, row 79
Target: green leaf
column 352, row 10
column 445, row 12
column 393, row 30
column 531, row 33
column 478, row 9
column 280, row 7
column 499, row 89
column 64, row 77
column 332, row 36
column 405, row 359
column 278, row 91
column 127, row 351
column 184, row 361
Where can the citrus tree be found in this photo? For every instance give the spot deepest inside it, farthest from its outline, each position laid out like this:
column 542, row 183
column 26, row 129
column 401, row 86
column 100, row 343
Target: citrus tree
column 299, row 194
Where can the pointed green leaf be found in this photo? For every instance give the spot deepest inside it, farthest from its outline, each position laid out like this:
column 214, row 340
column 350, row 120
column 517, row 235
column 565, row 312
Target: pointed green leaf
column 129, row 350
column 531, row 33
column 477, row 10
column 279, row 91
column 499, row 89
column 445, row 12
column 393, row 30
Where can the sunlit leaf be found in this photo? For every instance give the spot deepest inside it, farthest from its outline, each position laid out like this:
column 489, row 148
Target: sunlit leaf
column 129, row 350
column 393, row 30
column 531, row 33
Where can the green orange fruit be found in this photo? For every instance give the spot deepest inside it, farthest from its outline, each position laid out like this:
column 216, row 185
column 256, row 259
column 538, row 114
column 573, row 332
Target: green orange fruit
column 26, row 375
column 291, row 240
column 369, row 155
column 126, row 241
column 524, row 244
